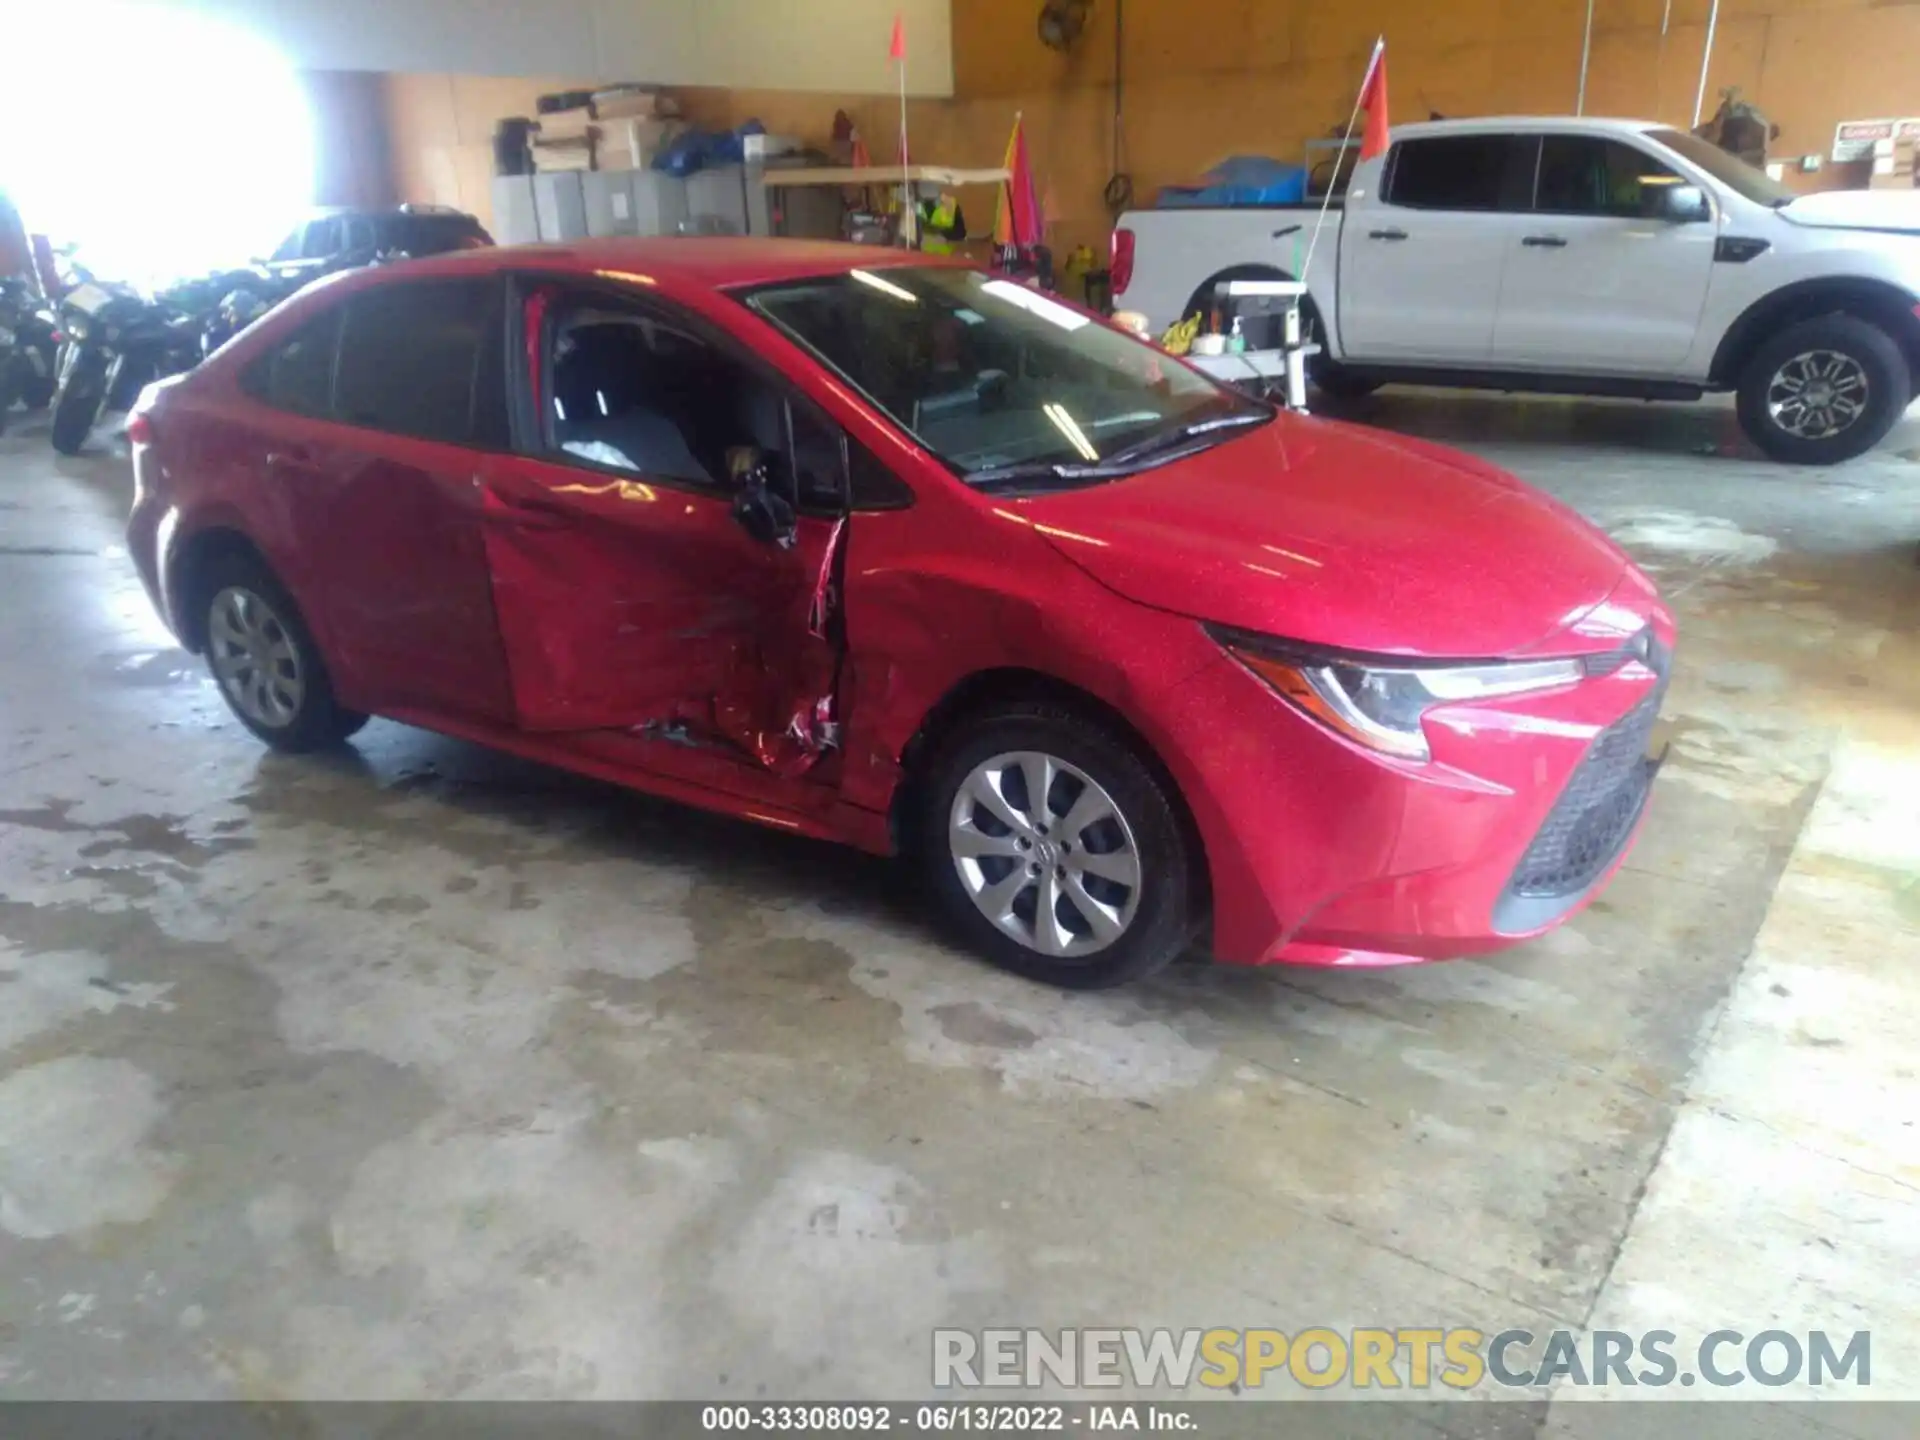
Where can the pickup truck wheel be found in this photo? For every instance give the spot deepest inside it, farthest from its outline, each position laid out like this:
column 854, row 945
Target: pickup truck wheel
column 1824, row 390
column 1335, row 381
column 1329, row 376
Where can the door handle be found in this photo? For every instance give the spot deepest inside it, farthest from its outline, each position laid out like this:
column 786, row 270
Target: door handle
column 1546, row 242
column 1386, row 235
column 292, row 455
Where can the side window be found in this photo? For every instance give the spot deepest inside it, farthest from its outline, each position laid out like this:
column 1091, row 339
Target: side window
column 1463, row 172
column 1584, row 175
column 874, row 485
column 289, row 248
column 323, row 239
column 425, row 359
column 297, row 374
column 631, row 391
column 819, row 465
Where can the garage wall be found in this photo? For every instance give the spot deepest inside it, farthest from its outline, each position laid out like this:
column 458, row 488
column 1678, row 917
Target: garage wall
column 352, row 163
column 1205, row 80
column 441, row 126
column 795, row 44
column 1208, row 80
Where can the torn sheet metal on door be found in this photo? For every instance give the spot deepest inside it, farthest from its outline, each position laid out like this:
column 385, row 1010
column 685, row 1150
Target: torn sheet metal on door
column 781, row 711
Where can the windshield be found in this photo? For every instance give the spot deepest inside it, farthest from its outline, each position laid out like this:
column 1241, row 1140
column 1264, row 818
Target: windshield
column 988, row 373
column 1730, row 170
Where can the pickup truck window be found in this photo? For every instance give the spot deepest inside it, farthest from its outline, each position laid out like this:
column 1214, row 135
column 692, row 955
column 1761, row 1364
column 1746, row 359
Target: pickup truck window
column 1589, row 175
column 1463, row 172
column 1730, row 170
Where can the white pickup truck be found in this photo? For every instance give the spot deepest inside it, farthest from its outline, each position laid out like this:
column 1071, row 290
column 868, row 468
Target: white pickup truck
column 1575, row 256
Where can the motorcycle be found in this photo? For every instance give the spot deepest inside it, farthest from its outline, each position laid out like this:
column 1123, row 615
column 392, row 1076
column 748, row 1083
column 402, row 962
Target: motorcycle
column 29, row 351
column 116, row 342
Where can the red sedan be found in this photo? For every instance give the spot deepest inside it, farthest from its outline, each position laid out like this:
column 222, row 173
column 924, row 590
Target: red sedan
column 900, row 554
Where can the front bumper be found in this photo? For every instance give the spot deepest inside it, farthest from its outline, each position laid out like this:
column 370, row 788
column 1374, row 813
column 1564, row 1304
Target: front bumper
column 1324, row 853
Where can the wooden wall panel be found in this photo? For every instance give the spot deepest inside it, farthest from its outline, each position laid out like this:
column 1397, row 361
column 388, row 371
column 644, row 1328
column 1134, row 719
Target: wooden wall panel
column 1209, row 78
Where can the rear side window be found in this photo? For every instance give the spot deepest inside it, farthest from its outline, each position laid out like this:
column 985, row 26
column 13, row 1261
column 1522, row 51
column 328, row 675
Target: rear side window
column 1463, row 172
column 297, row 374
column 425, row 359
column 435, row 234
column 323, row 239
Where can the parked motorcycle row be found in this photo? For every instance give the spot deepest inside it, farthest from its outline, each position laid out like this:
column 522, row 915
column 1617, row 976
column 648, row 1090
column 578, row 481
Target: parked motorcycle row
column 117, row 340
column 97, row 344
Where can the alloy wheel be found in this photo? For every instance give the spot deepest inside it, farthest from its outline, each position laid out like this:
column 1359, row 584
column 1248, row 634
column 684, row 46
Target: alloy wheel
column 1818, row 394
column 1045, row 853
column 254, row 658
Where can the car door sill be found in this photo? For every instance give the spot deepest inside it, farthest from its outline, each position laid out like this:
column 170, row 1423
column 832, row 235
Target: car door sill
column 1526, row 381
column 757, row 797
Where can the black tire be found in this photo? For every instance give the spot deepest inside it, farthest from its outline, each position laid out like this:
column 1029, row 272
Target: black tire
column 76, row 403
column 1162, row 922
column 1881, row 368
column 317, row 721
column 36, row 392
column 1336, row 382
column 1324, row 373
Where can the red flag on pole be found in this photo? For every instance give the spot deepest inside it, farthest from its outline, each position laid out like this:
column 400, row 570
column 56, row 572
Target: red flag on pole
column 1373, row 99
column 1018, row 221
column 897, row 49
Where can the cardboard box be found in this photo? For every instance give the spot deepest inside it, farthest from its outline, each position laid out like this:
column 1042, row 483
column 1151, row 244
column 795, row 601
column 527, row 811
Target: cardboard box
column 633, row 144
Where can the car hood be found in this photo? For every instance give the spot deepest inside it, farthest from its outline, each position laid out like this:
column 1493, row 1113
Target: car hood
column 1897, row 211
column 1323, row 532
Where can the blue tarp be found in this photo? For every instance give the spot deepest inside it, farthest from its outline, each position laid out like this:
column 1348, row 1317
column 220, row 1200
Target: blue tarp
column 1242, row 180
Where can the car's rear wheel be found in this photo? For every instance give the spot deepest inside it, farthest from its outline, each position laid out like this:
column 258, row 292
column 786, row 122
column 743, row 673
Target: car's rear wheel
column 1054, row 849
column 1824, row 390
column 265, row 661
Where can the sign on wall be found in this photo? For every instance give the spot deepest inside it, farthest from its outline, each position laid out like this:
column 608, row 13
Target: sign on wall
column 1855, row 140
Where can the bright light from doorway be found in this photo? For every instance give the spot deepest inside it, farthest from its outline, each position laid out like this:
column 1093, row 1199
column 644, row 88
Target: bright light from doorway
column 159, row 141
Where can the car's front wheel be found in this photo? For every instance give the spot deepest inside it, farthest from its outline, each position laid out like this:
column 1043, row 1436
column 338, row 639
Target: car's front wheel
column 1824, row 390
column 1054, row 849
column 265, row 661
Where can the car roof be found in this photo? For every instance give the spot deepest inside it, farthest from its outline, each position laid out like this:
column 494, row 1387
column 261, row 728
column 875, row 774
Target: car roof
column 701, row 262
column 1530, row 124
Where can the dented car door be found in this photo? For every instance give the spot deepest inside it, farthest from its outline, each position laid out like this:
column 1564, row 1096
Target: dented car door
column 634, row 589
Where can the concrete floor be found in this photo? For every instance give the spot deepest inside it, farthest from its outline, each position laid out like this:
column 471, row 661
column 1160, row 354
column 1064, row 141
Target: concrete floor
column 421, row 1072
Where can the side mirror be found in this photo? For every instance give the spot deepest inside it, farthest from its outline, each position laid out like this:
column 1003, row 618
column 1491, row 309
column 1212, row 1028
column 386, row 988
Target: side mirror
column 1682, row 205
column 765, row 515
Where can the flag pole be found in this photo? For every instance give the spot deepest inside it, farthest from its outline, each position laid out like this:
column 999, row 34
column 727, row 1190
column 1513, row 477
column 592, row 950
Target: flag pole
column 1327, row 199
column 909, row 218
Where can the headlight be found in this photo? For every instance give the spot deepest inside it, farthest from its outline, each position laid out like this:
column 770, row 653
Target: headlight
column 1382, row 706
column 77, row 328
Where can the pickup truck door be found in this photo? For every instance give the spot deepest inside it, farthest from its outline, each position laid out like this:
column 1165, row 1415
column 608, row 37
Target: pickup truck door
column 1600, row 281
column 1421, row 261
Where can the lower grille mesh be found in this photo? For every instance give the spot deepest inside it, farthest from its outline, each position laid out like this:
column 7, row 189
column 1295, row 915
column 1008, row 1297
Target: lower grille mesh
column 1594, row 815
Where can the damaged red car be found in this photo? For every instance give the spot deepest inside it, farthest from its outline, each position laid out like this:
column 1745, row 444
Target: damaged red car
column 900, row 554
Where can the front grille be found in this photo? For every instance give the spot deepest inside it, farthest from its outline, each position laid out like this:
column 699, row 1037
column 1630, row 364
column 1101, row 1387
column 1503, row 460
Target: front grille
column 1596, row 812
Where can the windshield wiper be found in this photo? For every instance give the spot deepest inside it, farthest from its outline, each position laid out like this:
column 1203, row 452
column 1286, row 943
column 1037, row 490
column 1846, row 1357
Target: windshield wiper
column 1154, row 444
column 1038, row 475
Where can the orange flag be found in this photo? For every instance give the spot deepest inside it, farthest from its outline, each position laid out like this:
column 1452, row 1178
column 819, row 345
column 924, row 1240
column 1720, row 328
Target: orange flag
column 1373, row 99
